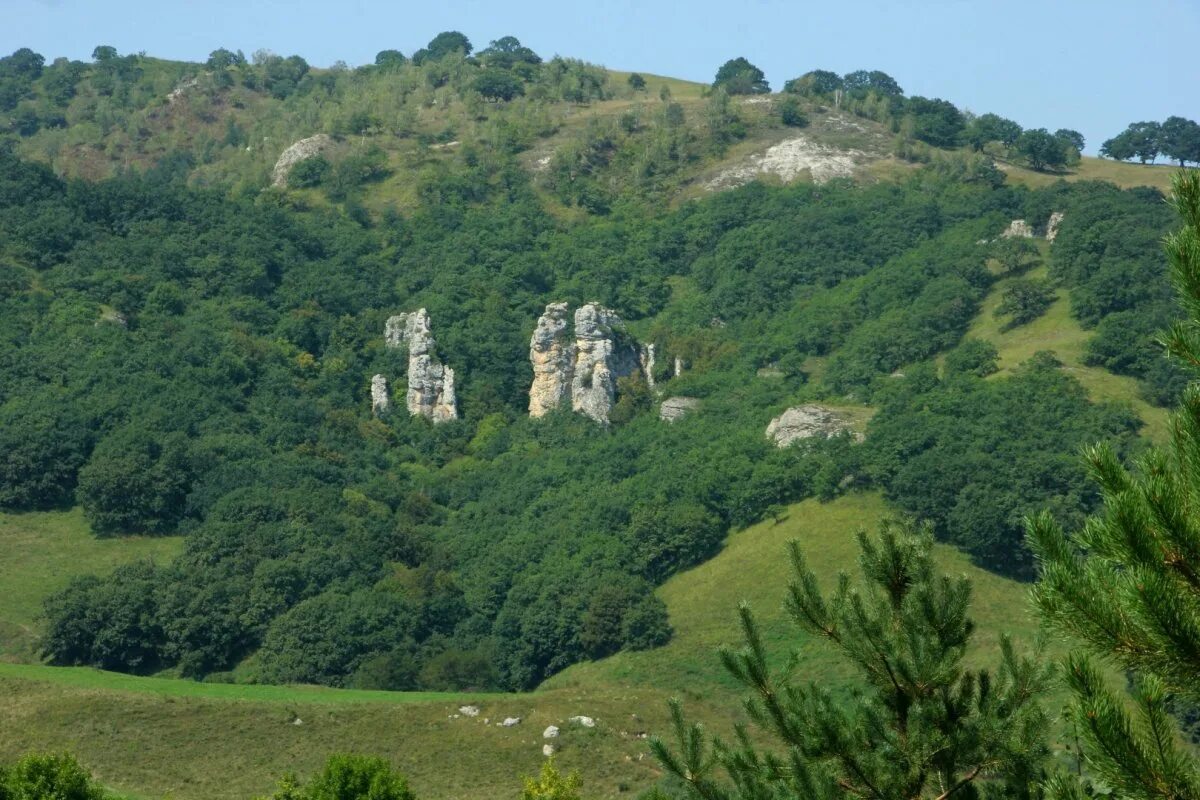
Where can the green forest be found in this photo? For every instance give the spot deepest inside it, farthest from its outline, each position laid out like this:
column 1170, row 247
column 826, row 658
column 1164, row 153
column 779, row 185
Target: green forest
column 189, row 340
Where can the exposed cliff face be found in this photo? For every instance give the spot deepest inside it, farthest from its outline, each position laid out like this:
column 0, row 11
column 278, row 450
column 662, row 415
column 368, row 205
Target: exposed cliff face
column 430, row 383
column 603, row 353
column 552, row 354
column 584, row 368
column 676, row 408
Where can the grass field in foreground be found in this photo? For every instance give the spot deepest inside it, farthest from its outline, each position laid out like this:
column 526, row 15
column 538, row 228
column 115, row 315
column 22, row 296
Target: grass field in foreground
column 41, row 551
column 154, row 737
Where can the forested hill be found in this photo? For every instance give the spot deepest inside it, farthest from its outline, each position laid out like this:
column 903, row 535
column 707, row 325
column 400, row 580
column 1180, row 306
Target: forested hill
column 186, row 349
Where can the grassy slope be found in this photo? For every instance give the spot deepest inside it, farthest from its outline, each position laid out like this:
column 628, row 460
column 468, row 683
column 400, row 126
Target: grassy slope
column 152, row 737
column 1122, row 173
column 40, row 552
column 1058, row 331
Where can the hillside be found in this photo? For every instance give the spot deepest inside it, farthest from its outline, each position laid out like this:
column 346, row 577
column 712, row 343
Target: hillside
column 505, row 386
column 204, row 740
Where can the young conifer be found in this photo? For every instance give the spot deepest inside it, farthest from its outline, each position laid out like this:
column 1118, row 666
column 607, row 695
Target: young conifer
column 918, row 724
column 1128, row 583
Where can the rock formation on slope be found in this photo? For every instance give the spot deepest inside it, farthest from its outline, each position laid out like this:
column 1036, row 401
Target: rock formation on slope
column 603, row 353
column 675, row 408
column 430, row 383
column 806, row 422
column 1017, row 229
column 297, row 152
column 552, row 354
column 381, row 402
column 1052, row 226
column 585, row 368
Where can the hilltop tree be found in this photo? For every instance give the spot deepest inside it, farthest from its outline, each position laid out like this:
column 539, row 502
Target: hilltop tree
column 991, row 128
column 636, row 82
column 390, row 60
column 862, row 81
column 1042, row 149
column 817, row 82
column 443, row 44
column 1071, row 137
column 1126, row 585
column 104, row 52
column 922, row 726
column 1140, row 140
column 221, row 58
column 739, row 76
column 1180, row 139
column 507, row 52
column 936, row 122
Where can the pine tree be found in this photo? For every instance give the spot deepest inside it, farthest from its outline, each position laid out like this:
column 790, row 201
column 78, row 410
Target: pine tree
column 1128, row 583
column 918, row 725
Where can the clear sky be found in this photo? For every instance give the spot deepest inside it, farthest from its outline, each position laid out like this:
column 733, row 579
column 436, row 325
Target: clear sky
column 1091, row 65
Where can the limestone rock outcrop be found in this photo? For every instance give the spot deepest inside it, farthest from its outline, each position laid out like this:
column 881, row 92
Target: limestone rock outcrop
column 1017, row 229
column 430, row 383
column 584, row 366
column 1052, row 226
column 297, row 152
column 381, row 402
column 603, row 353
column 675, row 408
column 806, row 422
column 552, row 353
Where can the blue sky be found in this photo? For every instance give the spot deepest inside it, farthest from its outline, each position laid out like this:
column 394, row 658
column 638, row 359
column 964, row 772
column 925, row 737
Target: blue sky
column 1092, row 65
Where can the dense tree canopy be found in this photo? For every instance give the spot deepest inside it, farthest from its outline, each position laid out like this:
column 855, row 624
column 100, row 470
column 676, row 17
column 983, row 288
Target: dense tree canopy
column 739, row 76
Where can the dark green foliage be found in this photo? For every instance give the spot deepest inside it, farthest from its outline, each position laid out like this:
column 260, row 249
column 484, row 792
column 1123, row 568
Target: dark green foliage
column 791, row 113
column 495, row 84
column 974, row 456
column 1141, row 140
column 861, row 82
column 1071, row 137
column 390, row 60
column 1041, row 149
column 1108, row 253
column 136, row 481
column 819, row 82
column 347, row 777
column 636, row 82
column 992, row 128
column 442, row 45
column 1181, row 140
column 18, row 71
column 1124, row 583
column 309, row 172
column 42, row 776
column 936, row 122
column 1023, row 301
column 922, row 725
column 974, row 357
column 739, row 76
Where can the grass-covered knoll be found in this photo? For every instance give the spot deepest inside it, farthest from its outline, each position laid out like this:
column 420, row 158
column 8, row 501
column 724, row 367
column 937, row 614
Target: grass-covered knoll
column 41, row 551
column 754, row 568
